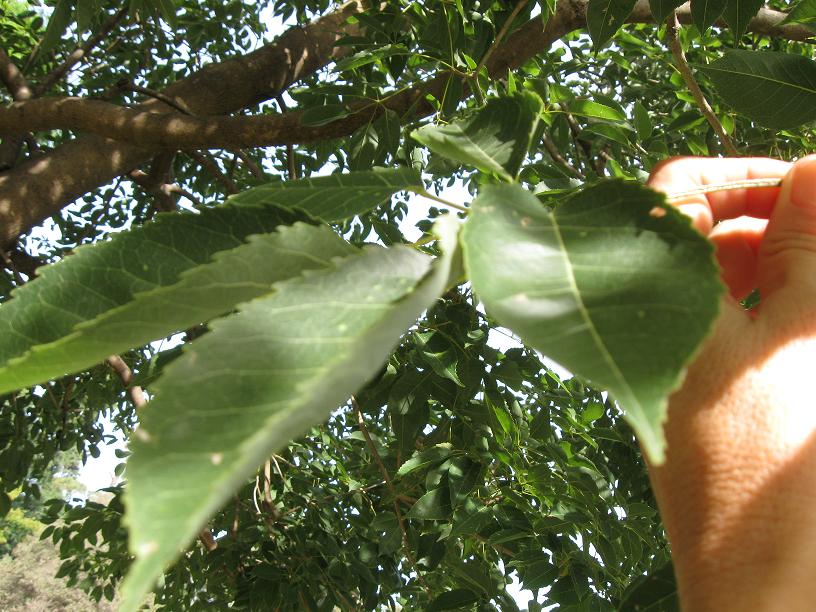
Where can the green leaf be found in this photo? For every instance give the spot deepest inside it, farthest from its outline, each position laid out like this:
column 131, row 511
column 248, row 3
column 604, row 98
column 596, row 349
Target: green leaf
column 316, row 116
column 804, row 12
column 588, row 108
column 44, row 328
column 58, row 22
column 429, row 456
column 433, row 506
column 495, row 138
column 260, row 378
column 738, row 14
column 336, row 197
column 86, row 11
column 706, row 12
column 655, row 592
column 167, row 9
column 662, row 8
column 643, row 124
column 777, row 90
column 453, row 600
column 594, row 284
column 605, row 17
column 463, row 475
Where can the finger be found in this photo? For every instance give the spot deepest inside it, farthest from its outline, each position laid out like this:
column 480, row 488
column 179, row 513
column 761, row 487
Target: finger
column 737, row 247
column 787, row 253
column 681, row 174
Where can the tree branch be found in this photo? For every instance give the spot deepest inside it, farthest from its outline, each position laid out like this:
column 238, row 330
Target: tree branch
column 80, row 52
column 209, row 164
column 13, row 79
column 688, row 78
column 37, row 189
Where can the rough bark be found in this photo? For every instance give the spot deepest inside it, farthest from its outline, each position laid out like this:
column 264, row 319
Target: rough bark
column 38, row 189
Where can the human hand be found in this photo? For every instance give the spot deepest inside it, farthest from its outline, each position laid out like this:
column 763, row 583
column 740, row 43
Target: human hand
column 737, row 491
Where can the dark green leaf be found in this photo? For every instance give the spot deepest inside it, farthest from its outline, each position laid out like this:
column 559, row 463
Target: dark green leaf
column 5, row 504
column 655, row 592
column 336, row 197
column 453, row 600
column 463, row 475
column 587, row 286
column 775, row 89
column 58, row 22
column 662, row 8
column 315, row 116
column 643, row 125
column 433, row 506
column 494, row 139
column 605, row 17
column 804, row 12
column 430, row 456
column 738, row 14
column 706, row 12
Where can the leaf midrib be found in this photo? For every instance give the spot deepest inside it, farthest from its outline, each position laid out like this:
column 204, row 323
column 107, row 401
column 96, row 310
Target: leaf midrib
column 582, row 309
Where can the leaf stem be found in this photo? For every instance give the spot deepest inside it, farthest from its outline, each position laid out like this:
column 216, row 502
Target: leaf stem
column 430, row 196
column 704, row 189
column 684, row 69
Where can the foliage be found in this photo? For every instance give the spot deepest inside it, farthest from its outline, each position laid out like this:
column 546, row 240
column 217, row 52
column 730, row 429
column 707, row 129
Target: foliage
column 339, row 422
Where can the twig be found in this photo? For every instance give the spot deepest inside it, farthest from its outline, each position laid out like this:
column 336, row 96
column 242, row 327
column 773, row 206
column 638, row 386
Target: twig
column 77, row 54
column 559, row 159
column 430, row 196
column 290, row 149
column 137, row 398
column 13, row 79
column 125, row 374
column 688, row 77
column 596, row 164
column 389, row 483
column 18, row 260
column 253, row 166
column 500, row 36
column 703, row 189
column 152, row 93
column 206, row 161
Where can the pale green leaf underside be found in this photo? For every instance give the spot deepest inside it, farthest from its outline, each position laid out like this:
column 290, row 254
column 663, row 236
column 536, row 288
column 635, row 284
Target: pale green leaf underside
column 259, row 379
column 105, row 276
column 775, row 89
column 620, row 298
column 206, row 291
column 494, row 139
column 335, row 197
column 605, row 17
column 49, row 328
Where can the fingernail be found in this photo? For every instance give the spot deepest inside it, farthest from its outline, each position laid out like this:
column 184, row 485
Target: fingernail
column 803, row 182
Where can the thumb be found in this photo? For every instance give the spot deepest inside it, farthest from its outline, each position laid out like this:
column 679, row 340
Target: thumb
column 787, row 253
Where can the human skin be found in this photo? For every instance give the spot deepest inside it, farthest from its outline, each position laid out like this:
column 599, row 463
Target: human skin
column 737, row 491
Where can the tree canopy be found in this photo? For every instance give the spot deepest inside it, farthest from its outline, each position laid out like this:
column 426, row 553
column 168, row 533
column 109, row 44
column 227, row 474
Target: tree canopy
column 317, row 262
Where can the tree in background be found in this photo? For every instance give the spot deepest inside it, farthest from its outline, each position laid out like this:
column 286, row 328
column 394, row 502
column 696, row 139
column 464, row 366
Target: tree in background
column 331, row 426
